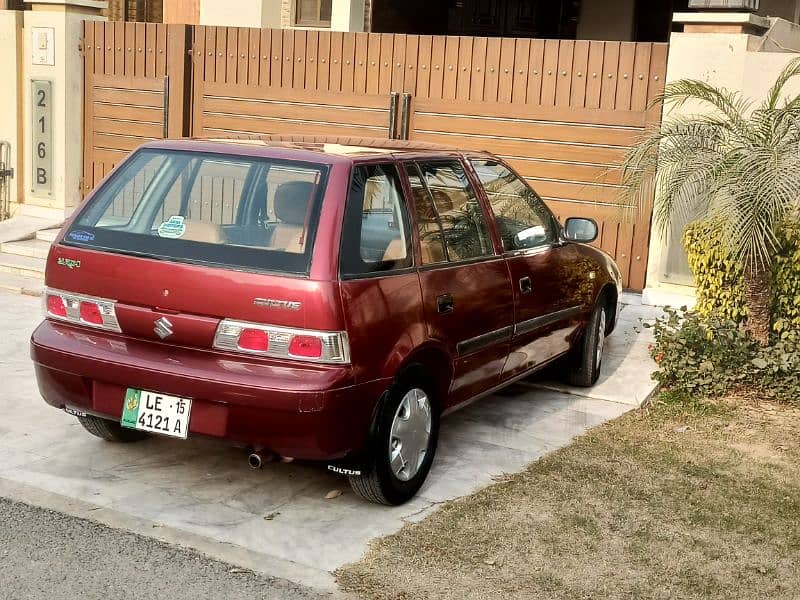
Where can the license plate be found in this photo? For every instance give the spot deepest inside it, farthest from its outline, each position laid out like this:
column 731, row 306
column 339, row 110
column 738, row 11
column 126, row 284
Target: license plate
column 156, row 413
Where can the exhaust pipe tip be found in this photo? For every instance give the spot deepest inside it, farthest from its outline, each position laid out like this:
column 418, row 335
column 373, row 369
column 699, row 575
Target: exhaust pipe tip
column 255, row 461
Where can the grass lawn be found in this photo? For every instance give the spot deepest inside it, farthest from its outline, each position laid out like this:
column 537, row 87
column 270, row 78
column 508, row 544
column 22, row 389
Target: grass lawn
column 676, row 501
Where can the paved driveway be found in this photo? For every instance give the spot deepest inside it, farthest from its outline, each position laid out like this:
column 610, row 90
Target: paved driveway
column 202, row 493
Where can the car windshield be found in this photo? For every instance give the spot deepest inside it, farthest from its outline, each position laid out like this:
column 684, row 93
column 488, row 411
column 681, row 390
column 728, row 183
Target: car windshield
column 218, row 209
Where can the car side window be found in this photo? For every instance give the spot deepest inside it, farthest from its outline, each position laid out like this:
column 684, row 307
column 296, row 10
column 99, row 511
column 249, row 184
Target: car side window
column 376, row 236
column 451, row 222
column 522, row 218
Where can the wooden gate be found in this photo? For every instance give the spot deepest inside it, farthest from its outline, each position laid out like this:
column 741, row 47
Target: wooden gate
column 562, row 112
column 134, row 80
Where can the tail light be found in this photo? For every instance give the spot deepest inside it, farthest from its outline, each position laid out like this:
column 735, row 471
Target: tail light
column 280, row 342
column 80, row 310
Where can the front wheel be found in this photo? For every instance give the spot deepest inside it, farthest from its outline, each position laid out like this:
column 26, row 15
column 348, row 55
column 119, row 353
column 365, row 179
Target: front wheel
column 403, row 446
column 583, row 369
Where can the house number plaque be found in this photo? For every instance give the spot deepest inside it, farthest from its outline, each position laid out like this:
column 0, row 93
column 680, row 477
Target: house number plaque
column 42, row 137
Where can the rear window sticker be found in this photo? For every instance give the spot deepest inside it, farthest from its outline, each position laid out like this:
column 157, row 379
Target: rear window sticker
column 81, row 236
column 174, row 227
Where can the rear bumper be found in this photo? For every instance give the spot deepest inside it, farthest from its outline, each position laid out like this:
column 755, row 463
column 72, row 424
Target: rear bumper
column 304, row 411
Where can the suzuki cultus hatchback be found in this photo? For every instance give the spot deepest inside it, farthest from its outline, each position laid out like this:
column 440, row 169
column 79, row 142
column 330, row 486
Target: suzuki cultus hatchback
column 317, row 302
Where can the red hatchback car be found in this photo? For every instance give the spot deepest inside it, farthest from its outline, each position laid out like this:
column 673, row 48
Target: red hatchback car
column 314, row 301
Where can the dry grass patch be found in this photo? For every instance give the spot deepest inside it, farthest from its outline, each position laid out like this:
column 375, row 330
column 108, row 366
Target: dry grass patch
column 639, row 508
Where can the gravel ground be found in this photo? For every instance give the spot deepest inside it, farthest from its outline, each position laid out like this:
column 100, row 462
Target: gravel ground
column 45, row 554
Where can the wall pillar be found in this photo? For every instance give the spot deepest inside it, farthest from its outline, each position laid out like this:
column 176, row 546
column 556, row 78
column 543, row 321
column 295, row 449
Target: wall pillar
column 52, row 53
column 348, row 15
column 732, row 60
column 11, row 24
column 240, row 13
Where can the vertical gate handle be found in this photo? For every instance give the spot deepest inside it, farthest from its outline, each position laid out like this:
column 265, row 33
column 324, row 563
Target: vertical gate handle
column 166, row 107
column 394, row 102
column 406, row 117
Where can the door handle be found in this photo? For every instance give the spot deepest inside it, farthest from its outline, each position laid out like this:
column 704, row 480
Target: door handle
column 525, row 285
column 445, row 304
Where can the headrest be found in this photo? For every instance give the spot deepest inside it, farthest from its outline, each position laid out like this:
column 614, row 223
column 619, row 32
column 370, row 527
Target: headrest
column 202, row 231
column 291, row 201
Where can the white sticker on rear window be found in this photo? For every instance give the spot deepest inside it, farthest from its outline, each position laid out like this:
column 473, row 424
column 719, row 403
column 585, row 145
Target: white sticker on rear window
column 172, row 228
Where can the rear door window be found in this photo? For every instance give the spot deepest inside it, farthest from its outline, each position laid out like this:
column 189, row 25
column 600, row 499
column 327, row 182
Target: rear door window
column 376, row 234
column 450, row 220
column 213, row 208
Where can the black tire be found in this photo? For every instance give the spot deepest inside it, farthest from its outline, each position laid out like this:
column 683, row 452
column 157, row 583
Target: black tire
column 377, row 482
column 111, row 431
column 583, row 368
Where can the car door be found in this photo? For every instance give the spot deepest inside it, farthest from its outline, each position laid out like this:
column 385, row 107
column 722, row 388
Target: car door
column 545, row 272
column 466, row 289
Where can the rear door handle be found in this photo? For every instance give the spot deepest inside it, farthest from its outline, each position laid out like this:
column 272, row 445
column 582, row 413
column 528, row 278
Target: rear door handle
column 445, row 304
column 525, row 285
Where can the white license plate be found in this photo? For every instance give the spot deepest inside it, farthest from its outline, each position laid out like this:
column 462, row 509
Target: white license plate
column 156, row 413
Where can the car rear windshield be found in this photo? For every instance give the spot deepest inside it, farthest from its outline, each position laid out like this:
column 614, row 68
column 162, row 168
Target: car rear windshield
column 218, row 209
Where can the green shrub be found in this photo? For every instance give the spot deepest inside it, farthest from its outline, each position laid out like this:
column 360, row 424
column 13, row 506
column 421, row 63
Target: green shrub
column 703, row 356
column 720, row 287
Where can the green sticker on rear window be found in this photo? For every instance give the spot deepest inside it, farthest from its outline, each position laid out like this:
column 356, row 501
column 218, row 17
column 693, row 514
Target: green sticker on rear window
column 172, row 228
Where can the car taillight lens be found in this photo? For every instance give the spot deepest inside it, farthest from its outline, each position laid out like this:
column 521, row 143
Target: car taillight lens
column 80, row 310
column 282, row 342
column 56, row 306
column 254, row 339
column 305, row 346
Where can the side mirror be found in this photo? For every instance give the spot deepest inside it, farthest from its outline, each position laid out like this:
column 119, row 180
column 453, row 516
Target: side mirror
column 583, row 231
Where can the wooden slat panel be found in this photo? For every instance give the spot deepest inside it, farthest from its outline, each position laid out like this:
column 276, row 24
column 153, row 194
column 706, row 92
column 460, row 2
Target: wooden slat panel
column 505, row 77
column 88, row 67
column 264, row 57
column 579, row 134
column 360, row 62
column 287, row 68
column 232, row 125
column 478, row 79
column 151, row 44
column 543, row 113
column 299, row 58
column 385, row 63
column 550, row 72
column 118, row 142
column 324, row 60
column 143, row 114
column 522, row 55
column 283, row 110
column 464, row 68
column 161, row 53
column 371, row 64
column 276, row 70
column 625, row 76
column 134, row 128
column 450, row 68
column 576, row 191
column 528, row 149
column 491, row 78
column 535, row 68
column 608, row 92
column 311, row 60
column 436, row 66
column 133, row 97
column 424, row 66
column 139, row 62
column 594, row 74
column 411, row 64
column 580, row 64
column 332, row 99
column 566, row 52
column 567, row 171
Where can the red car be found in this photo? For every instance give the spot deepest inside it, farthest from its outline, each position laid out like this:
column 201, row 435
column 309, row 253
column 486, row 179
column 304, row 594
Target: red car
column 314, row 301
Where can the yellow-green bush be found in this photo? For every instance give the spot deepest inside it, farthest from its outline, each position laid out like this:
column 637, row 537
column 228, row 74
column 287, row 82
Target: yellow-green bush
column 720, row 288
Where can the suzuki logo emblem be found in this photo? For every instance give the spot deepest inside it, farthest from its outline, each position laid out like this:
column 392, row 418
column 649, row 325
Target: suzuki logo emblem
column 163, row 328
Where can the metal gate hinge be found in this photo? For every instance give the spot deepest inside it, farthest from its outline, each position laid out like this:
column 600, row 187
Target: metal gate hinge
column 7, row 173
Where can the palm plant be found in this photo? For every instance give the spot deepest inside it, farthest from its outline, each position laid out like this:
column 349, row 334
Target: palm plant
column 733, row 164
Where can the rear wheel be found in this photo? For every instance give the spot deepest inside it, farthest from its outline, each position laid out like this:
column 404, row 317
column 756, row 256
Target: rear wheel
column 111, row 431
column 583, row 369
column 403, row 446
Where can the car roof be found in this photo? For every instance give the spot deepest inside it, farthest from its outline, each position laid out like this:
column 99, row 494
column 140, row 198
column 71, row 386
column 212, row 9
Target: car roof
column 328, row 150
